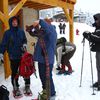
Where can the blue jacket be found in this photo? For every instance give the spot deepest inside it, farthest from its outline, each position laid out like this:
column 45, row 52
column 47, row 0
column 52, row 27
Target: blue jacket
column 13, row 40
column 50, row 39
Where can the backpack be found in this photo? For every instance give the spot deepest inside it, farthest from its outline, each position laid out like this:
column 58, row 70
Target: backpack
column 26, row 68
column 4, row 93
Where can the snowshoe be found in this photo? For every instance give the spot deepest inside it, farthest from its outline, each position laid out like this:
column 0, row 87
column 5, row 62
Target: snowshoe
column 68, row 72
column 17, row 94
column 27, row 91
column 61, row 72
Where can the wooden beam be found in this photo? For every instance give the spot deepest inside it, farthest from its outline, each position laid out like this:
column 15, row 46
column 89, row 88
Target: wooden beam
column 17, row 8
column 71, row 26
column 2, row 17
column 67, row 14
column 5, row 7
column 57, row 3
column 40, row 7
column 13, row 1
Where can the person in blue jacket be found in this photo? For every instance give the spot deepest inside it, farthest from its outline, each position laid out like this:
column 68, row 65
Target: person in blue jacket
column 50, row 38
column 15, row 42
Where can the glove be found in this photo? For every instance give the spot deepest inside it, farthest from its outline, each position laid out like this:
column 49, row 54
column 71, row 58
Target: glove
column 1, row 58
column 86, row 34
column 24, row 47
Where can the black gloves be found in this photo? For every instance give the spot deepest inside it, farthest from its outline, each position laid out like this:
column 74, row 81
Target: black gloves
column 87, row 35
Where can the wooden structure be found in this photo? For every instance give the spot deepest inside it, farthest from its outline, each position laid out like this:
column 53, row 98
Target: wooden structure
column 66, row 5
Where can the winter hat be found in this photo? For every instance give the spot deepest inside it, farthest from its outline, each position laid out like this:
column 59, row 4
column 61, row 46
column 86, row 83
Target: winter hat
column 97, row 16
column 97, row 21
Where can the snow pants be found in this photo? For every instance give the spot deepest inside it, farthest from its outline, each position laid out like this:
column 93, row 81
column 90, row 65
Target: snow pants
column 98, row 65
column 14, row 70
column 66, row 57
column 42, row 74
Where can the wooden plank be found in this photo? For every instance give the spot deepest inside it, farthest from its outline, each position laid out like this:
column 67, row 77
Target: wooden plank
column 39, row 7
column 17, row 8
column 57, row 3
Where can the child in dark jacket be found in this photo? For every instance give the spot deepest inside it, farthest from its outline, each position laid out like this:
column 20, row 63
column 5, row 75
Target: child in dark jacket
column 15, row 42
column 65, row 51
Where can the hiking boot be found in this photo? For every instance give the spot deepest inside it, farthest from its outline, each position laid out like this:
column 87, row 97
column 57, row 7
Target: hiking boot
column 61, row 72
column 17, row 93
column 27, row 91
column 95, row 85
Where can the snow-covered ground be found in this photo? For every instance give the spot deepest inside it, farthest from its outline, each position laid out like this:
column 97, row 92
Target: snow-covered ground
column 67, row 86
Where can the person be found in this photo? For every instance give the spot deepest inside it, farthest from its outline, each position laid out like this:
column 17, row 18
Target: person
column 94, row 39
column 63, row 28
column 15, row 42
column 49, row 36
column 60, row 28
column 65, row 51
column 77, row 32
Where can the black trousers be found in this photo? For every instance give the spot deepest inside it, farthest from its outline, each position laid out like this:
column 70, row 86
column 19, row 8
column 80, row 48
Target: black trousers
column 14, row 69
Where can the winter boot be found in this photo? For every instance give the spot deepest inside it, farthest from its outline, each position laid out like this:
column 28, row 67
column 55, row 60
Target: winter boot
column 17, row 93
column 70, row 68
column 95, row 85
column 27, row 91
column 62, row 71
column 43, row 95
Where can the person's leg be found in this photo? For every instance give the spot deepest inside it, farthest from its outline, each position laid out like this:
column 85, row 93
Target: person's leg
column 63, row 31
column 69, row 67
column 42, row 74
column 53, row 92
column 59, row 56
column 98, row 67
column 14, row 78
column 27, row 81
column 27, row 90
column 14, row 72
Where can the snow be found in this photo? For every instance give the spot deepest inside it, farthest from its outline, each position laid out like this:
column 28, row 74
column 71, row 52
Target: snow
column 67, row 86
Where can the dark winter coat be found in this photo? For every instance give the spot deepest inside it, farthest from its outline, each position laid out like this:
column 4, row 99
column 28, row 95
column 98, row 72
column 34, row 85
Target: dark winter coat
column 95, row 36
column 60, row 26
column 50, row 38
column 95, row 41
column 64, row 26
column 13, row 40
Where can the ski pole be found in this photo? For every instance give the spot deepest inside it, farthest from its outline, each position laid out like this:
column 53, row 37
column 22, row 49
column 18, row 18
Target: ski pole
column 83, row 41
column 91, row 68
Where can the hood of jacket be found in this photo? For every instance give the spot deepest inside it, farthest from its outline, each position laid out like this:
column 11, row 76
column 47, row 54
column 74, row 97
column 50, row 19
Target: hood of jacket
column 96, row 16
column 10, row 23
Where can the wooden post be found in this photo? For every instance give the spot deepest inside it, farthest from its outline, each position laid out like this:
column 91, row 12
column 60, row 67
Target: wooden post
column 71, row 26
column 4, row 9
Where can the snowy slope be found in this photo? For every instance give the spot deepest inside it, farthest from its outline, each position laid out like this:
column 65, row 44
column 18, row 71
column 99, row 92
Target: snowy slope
column 67, row 87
